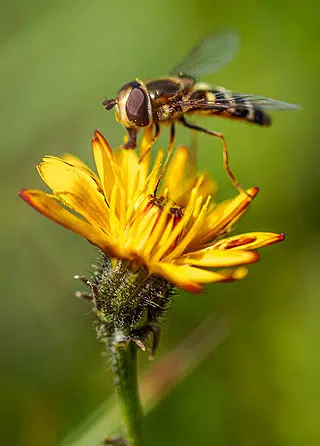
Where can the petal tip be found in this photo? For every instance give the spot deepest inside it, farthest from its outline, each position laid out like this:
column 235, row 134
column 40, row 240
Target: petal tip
column 240, row 273
column 99, row 139
column 253, row 191
column 255, row 257
column 194, row 288
column 97, row 133
column 276, row 239
column 23, row 193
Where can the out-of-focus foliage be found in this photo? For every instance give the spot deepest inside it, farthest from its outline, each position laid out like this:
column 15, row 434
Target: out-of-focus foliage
column 58, row 60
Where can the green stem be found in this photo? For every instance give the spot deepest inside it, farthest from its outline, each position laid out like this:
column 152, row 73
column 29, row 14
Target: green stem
column 124, row 364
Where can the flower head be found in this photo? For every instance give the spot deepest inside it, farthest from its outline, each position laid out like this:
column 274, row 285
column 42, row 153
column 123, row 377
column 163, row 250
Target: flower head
column 176, row 233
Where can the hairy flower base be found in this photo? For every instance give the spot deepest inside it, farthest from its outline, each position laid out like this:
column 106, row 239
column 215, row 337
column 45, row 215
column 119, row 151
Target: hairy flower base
column 176, row 234
column 126, row 298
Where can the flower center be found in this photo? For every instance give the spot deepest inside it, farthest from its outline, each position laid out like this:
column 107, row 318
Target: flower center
column 161, row 216
column 176, row 211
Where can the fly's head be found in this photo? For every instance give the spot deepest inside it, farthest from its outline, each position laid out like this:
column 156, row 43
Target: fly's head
column 133, row 105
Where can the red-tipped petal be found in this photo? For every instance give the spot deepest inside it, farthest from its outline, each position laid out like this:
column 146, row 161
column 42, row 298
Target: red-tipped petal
column 48, row 205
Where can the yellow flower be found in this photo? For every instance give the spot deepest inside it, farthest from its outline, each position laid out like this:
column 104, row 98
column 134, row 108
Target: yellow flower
column 176, row 234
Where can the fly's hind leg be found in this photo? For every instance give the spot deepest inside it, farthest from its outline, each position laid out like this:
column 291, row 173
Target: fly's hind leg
column 226, row 165
column 193, row 152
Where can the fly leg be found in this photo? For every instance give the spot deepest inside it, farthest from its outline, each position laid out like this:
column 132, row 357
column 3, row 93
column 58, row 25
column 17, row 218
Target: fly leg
column 170, row 149
column 226, row 165
column 193, row 152
column 154, row 139
column 132, row 139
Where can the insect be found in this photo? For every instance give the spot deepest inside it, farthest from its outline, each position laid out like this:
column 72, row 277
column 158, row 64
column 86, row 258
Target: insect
column 170, row 99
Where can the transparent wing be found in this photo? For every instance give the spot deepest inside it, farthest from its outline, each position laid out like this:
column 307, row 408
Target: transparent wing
column 209, row 54
column 261, row 101
column 227, row 100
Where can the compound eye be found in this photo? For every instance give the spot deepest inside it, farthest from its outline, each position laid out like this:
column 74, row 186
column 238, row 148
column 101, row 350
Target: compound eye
column 137, row 107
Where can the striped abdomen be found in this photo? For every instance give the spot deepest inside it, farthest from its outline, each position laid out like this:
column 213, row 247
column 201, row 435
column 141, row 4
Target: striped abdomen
column 221, row 102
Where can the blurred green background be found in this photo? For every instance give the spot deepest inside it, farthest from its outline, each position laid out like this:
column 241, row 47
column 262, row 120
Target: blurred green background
column 59, row 59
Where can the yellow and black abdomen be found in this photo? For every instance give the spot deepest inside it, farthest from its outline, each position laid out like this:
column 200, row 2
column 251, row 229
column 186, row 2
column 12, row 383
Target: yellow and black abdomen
column 221, row 102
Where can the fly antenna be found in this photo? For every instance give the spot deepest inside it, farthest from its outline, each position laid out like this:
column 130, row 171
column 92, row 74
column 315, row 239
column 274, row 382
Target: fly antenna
column 109, row 103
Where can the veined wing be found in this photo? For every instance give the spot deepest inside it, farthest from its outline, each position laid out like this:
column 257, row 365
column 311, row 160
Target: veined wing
column 227, row 100
column 209, row 54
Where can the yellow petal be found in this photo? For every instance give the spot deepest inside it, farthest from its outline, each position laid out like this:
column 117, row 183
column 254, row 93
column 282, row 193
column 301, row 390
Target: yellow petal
column 75, row 161
column 234, row 274
column 130, row 170
column 100, row 139
column 47, row 205
column 175, row 171
column 176, row 276
column 251, row 240
column 169, row 237
column 219, row 259
column 104, row 163
column 227, row 213
column 195, row 227
column 190, row 278
column 163, row 225
column 76, row 189
column 113, row 218
column 153, row 177
column 207, row 187
column 145, row 144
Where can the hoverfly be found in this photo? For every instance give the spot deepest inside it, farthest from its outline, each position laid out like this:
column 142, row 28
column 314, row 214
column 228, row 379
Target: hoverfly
column 170, row 99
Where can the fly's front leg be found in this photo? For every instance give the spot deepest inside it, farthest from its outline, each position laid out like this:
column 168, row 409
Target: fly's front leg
column 226, row 165
column 132, row 141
